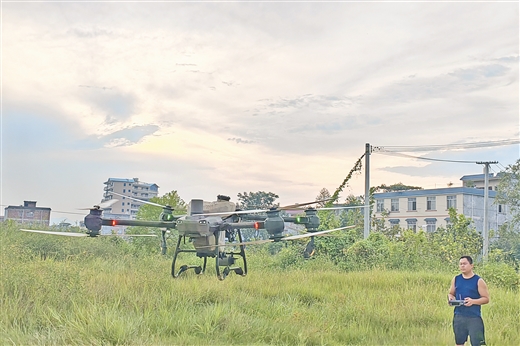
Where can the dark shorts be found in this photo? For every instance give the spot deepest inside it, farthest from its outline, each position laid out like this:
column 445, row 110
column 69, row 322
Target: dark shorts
column 464, row 326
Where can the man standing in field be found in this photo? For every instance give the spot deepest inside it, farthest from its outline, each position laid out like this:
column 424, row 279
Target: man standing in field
column 467, row 319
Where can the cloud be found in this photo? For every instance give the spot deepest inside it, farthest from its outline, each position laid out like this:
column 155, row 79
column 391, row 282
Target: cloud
column 240, row 140
column 198, row 96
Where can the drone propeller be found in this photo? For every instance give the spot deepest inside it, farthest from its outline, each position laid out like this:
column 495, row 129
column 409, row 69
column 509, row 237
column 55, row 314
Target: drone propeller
column 75, row 234
column 336, row 208
column 254, row 211
column 313, row 234
column 297, row 205
column 293, row 237
column 68, row 234
column 102, row 205
column 142, row 201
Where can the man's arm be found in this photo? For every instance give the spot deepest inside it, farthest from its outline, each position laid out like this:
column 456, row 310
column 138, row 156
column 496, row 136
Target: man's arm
column 451, row 293
column 484, row 295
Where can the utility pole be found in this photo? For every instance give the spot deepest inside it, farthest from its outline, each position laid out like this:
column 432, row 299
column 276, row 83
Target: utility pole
column 485, row 230
column 366, row 232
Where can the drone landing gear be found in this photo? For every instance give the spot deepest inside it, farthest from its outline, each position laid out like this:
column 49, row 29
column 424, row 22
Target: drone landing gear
column 197, row 269
column 224, row 260
column 227, row 260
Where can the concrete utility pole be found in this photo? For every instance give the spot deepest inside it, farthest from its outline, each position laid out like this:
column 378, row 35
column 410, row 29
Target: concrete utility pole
column 366, row 232
column 485, row 230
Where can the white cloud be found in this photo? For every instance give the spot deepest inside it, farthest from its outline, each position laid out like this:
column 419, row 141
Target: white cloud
column 211, row 98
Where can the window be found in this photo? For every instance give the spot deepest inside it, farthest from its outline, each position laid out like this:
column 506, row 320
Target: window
column 394, row 222
column 431, row 203
column 430, row 225
column 124, row 191
column 122, row 210
column 123, row 203
column 380, row 205
column 412, row 224
column 394, row 204
column 412, row 204
column 451, row 202
column 501, row 208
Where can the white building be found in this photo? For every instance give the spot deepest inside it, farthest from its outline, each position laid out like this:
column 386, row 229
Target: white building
column 126, row 208
column 477, row 181
column 429, row 209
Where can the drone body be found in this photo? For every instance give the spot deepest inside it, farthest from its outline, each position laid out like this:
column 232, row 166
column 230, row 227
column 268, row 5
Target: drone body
column 212, row 230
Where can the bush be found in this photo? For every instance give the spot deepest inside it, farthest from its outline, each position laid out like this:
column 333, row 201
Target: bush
column 499, row 274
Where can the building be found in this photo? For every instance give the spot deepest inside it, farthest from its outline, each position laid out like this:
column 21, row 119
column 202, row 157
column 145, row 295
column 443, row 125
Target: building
column 126, row 208
column 29, row 213
column 477, row 181
column 429, row 209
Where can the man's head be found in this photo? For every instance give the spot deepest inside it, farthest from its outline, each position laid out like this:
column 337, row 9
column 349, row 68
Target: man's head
column 466, row 264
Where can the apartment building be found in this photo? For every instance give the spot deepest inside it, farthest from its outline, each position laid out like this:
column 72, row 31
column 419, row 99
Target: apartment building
column 28, row 213
column 126, row 208
column 429, row 209
column 477, row 181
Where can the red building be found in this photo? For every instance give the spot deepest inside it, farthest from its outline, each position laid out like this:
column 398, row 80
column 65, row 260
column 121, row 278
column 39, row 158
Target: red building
column 29, row 213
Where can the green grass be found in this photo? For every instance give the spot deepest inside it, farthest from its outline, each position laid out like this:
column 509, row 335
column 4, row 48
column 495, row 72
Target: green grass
column 122, row 299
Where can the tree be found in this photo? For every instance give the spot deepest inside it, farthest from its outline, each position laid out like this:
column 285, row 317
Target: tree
column 152, row 213
column 323, row 195
column 257, row 200
column 508, row 235
column 396, row 187
column 508, row 193
column 459, row 238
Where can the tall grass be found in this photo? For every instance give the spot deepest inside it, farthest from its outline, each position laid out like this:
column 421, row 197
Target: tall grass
column 121, row 299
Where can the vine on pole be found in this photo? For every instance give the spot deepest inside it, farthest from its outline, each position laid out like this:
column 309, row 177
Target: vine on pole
column 357, row 168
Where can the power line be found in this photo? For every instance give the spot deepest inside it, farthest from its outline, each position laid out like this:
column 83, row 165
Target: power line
column 423, row 158
column 435, row 147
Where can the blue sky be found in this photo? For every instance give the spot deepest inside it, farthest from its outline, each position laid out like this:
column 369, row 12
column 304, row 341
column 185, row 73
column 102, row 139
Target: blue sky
column 222, row 98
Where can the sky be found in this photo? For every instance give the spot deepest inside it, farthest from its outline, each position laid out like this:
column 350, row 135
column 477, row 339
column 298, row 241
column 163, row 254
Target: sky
column 210, row 98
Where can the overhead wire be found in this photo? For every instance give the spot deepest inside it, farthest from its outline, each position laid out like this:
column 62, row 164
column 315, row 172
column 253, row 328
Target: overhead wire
column 441, row 147
column 424, row 158
column 398, row 150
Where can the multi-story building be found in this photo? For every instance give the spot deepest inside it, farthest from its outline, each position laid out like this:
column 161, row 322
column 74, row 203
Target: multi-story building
column 477, row 181
column 429, row 209
column 29, row 213
column 126, row 208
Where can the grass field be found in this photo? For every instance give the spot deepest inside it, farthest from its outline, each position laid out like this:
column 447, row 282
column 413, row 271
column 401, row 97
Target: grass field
column 132, row 300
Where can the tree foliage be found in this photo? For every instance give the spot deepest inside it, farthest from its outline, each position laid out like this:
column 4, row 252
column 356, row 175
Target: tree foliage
column 396, row 187
column 323, row 195
column 152, row 213
column 257, row 200
column 457, row 239
column 508, row 193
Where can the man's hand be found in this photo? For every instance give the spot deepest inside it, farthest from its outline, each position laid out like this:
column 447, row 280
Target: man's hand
column 450, row 297
column 468, row 301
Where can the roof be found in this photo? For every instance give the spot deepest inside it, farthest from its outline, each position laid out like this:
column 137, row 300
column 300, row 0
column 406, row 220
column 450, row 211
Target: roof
column 435, row 192
column 121, row 180
column 480, row 176
column 26, row 208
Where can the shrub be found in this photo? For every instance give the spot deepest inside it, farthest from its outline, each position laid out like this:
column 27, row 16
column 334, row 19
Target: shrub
column 499, row 274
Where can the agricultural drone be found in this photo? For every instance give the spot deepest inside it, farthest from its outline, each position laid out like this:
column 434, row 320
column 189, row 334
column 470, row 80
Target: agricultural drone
column 213, row 229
